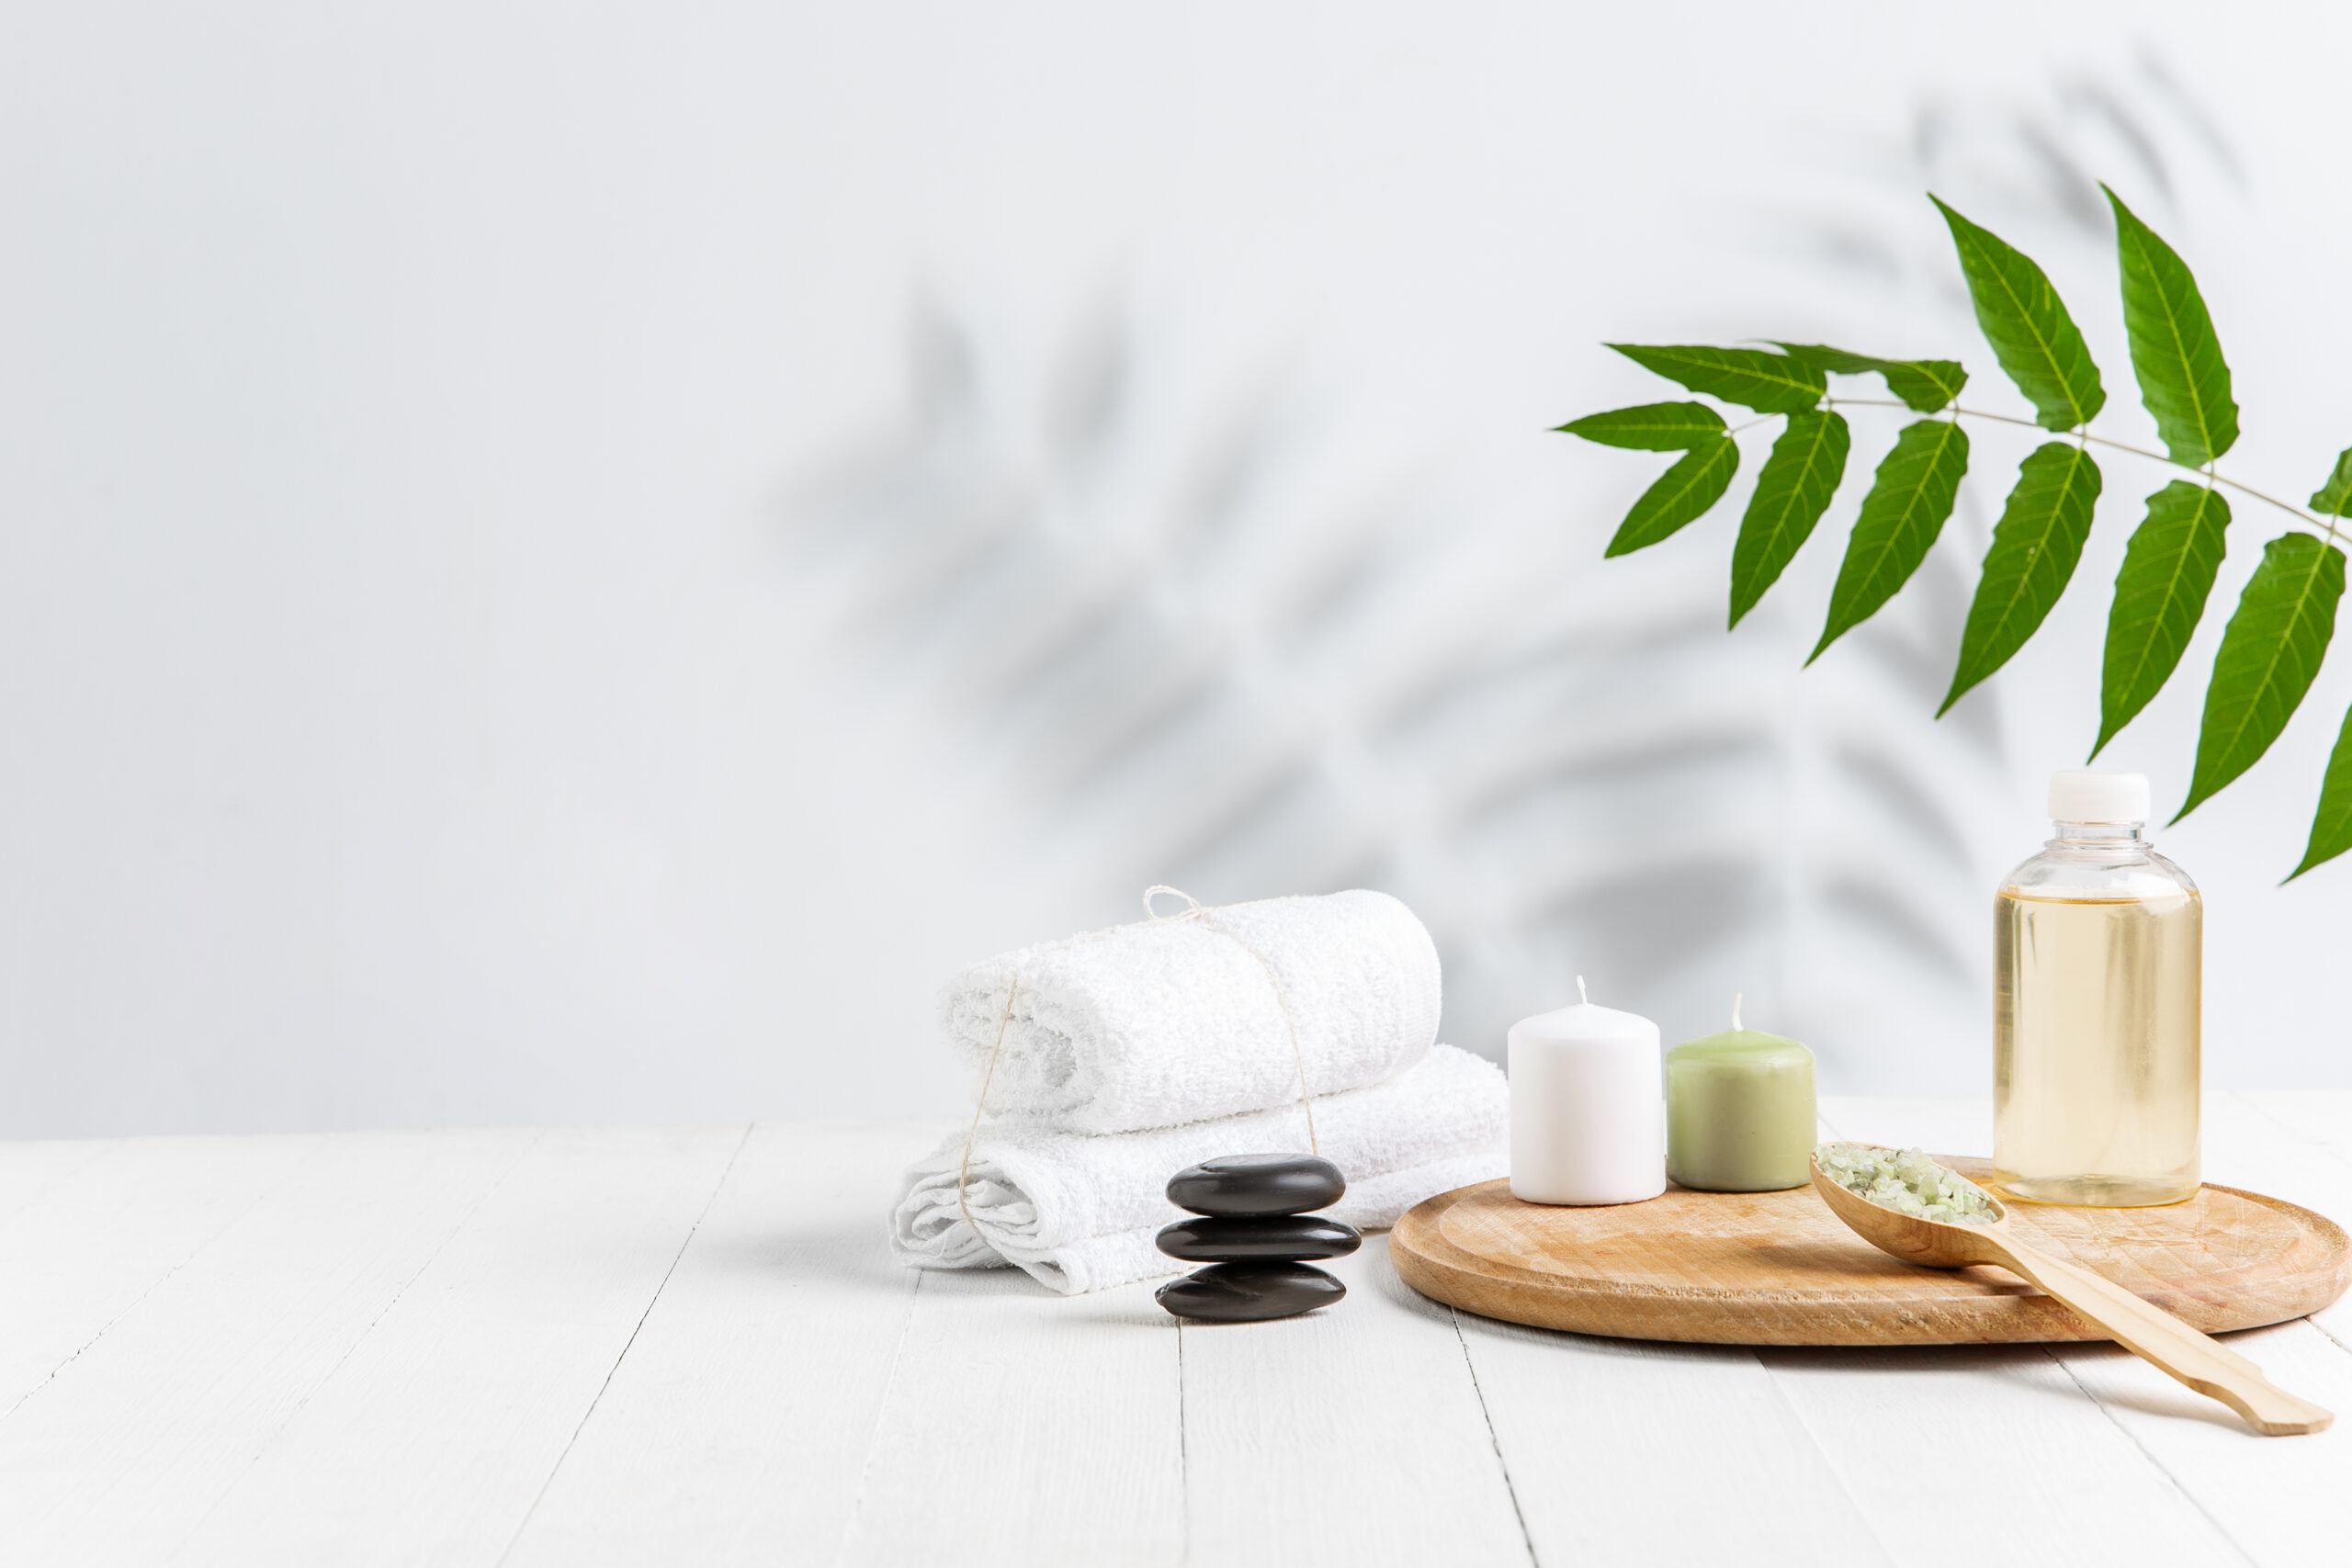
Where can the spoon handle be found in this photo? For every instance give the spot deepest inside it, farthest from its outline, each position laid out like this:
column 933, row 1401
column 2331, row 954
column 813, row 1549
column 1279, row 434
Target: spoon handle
column 2154, row 1335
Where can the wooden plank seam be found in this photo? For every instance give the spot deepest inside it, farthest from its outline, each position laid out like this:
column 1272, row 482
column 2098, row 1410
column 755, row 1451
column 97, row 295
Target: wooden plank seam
column 153, row 1285
column 639, row 1327
column 1454, row 1315
column 2186, row 1495
column 874, row 1432
column 456, row 1227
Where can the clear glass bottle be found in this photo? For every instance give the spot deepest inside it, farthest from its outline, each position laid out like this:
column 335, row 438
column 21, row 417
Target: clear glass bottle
column 2097, row 981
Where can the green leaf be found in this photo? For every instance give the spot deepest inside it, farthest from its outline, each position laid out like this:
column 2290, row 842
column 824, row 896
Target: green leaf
column 2035, row 547
column 2183, row 378
column 2270, row 652
column 1900, row 519
column 2159, row 595
column 1692, row 486
column 1652, row 427
column 2035, row 340
column 1768, row 383
column 1836, row 361
column 1792, row 492
column 2332, row 827
column 2335, row 497
column 1927, row 386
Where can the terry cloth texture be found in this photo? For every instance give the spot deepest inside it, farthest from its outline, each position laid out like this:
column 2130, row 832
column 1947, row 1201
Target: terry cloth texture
column 1080, row 1212
column 1174, row 1020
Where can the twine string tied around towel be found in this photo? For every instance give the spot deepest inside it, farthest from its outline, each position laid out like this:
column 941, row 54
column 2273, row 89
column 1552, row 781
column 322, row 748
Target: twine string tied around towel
column 1193, row 910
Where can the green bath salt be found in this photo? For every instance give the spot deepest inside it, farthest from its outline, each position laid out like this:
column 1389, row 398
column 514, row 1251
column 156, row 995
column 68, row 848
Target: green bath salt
column 1907, row 1182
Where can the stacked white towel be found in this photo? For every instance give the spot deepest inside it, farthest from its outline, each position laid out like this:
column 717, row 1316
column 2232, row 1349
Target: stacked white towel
column 1133, row 1052
column 1171, row 1020
column 1080, row 1212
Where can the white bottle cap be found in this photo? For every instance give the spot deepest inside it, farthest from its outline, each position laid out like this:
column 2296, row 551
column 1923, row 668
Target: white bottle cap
column 2079, row 794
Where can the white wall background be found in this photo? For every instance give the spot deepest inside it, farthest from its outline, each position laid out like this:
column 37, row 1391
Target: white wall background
column 424, row 698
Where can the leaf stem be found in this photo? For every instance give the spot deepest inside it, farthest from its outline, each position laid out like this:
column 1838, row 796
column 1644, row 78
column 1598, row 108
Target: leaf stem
column 2207, row 472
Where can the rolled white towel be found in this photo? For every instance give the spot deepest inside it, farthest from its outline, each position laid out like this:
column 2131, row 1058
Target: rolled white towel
column 1172, row 1020
column 1080, row 1212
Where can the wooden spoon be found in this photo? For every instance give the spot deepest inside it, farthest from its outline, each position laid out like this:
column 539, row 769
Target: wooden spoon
column 2152, row 1333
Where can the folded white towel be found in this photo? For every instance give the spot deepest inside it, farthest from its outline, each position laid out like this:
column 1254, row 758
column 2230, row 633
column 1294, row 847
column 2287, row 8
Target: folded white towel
column 1173, row 1020
column 1080, row 1212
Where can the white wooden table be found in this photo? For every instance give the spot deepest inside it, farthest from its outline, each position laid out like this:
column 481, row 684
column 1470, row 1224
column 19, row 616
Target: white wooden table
column 691, row 1347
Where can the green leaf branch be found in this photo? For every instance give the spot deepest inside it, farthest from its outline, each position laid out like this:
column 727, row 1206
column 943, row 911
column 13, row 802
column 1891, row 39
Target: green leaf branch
column 2274, row 642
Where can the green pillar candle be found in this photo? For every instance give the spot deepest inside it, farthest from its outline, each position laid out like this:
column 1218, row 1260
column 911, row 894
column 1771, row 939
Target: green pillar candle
column 1739, row 1112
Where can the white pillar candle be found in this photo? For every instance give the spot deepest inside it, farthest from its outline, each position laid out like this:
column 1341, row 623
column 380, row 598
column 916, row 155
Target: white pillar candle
column 1588, row 1109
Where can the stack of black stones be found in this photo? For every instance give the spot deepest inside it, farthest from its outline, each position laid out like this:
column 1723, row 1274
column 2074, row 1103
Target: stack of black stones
column 1256, row 1237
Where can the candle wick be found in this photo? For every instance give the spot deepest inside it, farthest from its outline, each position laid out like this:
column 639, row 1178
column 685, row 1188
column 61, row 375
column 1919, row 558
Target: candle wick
column 1580, row 996
column 1735, row 998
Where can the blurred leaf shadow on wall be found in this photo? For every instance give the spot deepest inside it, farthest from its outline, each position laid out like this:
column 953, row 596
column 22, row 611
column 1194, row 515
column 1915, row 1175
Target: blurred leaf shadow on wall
column 1214, row 646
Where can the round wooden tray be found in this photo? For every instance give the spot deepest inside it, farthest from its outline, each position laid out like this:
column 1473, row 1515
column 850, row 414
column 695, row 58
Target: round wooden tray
column 1779, row 1269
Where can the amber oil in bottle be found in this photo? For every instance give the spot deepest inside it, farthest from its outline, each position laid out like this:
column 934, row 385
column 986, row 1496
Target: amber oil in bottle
column 2097, row 969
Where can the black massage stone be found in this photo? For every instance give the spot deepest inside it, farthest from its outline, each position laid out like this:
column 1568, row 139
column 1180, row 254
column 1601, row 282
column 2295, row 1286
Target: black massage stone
column 1252, row 1185
column 1259, row 1239
column 1250, row 1292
